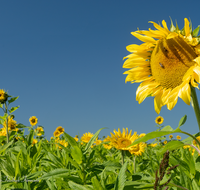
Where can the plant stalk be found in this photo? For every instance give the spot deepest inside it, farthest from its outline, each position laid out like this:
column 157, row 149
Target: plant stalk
column 195, row 105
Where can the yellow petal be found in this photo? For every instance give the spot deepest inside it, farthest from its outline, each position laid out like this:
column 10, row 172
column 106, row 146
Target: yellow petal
column 185, row 93
column 143, row 38
column 160, row 28
column 187, row 27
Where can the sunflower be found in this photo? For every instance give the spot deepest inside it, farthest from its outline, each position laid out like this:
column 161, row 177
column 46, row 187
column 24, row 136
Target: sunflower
column 12, row 124
column 168, row 67
column 159, row 120
column 3, row 96
column 170, row 136
column 60, row 130
column 178, row 137
column 122, row 141
column 76, row 138
column 33, row 120
column 34, row 141
column 107, row 145
column 56, row 133
column 39, row 131
column 86, row 137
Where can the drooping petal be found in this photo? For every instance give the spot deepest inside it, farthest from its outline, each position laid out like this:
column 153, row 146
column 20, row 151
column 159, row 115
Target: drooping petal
column 143, row 38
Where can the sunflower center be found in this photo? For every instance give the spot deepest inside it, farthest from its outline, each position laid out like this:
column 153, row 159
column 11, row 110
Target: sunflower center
column 170, row 60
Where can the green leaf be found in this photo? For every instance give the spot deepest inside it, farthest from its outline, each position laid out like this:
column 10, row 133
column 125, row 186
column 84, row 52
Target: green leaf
column 90, row 143
column 77, row 154
column 76, row 186
column 121, row 178
column 56, row 173
column 153, row 135
column 167, row 128
column 13, row 109
column 182, row 120
column 70, row 139
column 17, row 166
column 13, row 99
column 196, row 31
column 4, row 147
column 172, row 145
column 96, row 184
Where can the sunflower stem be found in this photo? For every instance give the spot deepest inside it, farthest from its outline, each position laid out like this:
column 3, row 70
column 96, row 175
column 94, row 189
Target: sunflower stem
column 7, row 132
column 123, row 155
column 195, row 105
column 134, row 162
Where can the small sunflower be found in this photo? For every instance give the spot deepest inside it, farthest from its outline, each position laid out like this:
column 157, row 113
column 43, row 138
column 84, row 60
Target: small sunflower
column 56, row 133
column 60, row 129
column 12, row 124
column 86, row 137
column 153, row 144
column 76, row 138
column 39, row 131
column 165, row 142
column 34, row 141
column 3, row 96
column 170, row 136
column 166, row 67
column 159, row 120
column 33, row 120
column 107, row 145
column 178, row 137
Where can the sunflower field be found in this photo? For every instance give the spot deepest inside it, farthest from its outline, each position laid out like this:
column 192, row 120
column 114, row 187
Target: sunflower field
column 123, row 160
column 167, row 68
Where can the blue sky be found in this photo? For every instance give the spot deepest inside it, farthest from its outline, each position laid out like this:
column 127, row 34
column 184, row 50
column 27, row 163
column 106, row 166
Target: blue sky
column 64, row 60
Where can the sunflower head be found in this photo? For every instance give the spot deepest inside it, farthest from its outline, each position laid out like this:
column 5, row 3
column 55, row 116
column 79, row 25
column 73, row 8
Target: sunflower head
column 86, row 137
column 12, row 124
column 167, row 64
column 39, row 131
column 178, row 137
column 33, row 120
column 3, row 96
column 60, row 129
column 159, row 120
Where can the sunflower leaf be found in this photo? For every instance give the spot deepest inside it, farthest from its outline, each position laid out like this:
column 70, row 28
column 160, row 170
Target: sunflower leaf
column 121, row 178
column 153, row 135
column 70, row 139
column 182, row 120
column 196, row 31
column 89, row 144
column 172, row 145
column 13, row 99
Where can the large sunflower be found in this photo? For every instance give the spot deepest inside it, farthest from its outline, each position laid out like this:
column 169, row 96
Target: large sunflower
column 167, row 67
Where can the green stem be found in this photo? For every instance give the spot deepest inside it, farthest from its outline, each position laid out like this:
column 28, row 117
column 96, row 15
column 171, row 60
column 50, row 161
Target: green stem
column 123, row 155
column 134, row 162
column 7, row 132
column 195, row 105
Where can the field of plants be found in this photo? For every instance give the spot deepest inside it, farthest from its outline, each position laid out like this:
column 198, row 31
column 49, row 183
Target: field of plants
column 122, row 160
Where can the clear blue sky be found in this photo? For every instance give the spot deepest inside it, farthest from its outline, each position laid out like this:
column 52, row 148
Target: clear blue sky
column 64, row 61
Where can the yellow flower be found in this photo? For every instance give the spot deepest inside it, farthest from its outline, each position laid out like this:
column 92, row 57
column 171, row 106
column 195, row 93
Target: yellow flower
column 56, row 133
column 62, row 142
column 34, row 141
column 11, row 124
column 195, row 143
column 121, row 141
column 98, row 142
column 142, row 135
column 3, row 96
column 107, row 146
column 3, row 131
column 86, row 137
column 165, row 142
column 178, row 137
column 60, row 130
column 165, row 67
column 33, row 120
column 39, row 131
column 170, row 136
column 159, row 120
column 153, row 145
column 76, row 138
